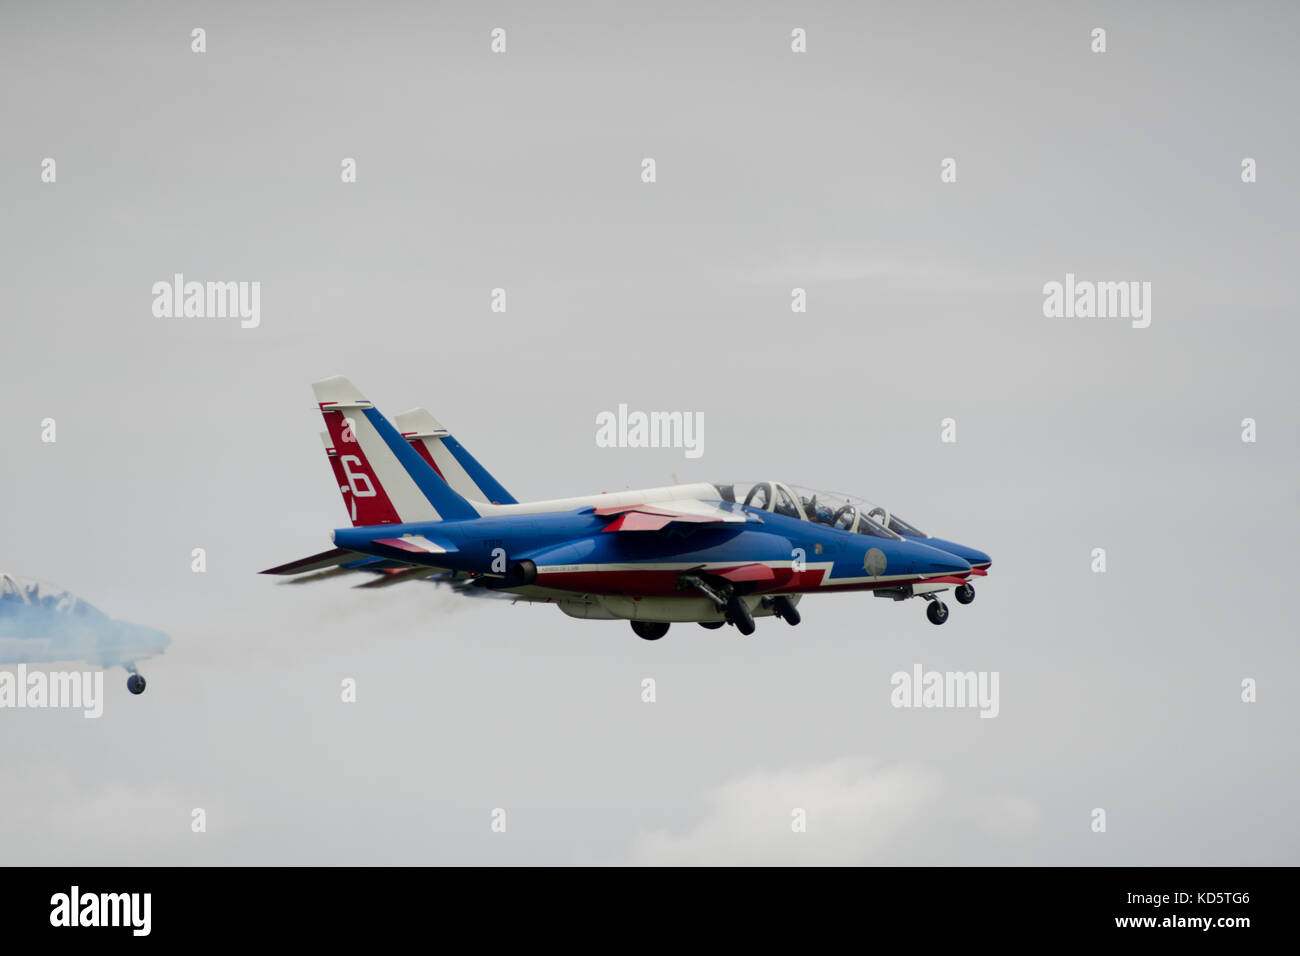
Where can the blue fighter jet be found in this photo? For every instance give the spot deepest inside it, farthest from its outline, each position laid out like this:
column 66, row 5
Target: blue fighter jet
column 423, row 508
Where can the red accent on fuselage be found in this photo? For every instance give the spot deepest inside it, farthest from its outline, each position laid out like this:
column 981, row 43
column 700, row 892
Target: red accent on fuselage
column 662, row 582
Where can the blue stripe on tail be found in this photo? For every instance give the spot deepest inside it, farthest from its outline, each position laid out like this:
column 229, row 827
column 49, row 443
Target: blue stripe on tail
column 450, row 505
column 487, row 484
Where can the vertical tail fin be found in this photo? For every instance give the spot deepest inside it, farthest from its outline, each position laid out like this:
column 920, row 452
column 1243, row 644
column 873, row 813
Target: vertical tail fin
column 450, row 459
column 360, row 496
column 375, row 462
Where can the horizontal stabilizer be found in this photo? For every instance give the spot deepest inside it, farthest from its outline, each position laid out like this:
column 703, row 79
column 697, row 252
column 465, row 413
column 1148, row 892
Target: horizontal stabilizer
column 326, row 559
column 316, row 576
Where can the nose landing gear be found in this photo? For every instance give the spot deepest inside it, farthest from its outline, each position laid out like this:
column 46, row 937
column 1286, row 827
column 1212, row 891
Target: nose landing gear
column 964, row 594
column 937, row 612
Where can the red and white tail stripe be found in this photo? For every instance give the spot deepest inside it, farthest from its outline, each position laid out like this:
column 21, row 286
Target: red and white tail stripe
column 377, row 489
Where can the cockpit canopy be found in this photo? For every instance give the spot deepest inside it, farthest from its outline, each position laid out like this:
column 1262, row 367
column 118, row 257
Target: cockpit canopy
column 845, row 512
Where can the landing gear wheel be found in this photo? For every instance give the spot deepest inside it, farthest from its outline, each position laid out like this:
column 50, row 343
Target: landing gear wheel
column 937, row 612
column 964, row 594
column 738, row 614
column 650, row 630
column 712, row 625
column 135, row 684
column 786, row 610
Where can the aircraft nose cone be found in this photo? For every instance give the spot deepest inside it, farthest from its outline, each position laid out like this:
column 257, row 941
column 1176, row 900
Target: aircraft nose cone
column 956, row 564
column 931, row 560
column 972, row 556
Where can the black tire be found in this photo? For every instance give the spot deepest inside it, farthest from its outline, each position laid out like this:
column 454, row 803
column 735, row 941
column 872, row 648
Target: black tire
column 937, row 612
column 650, row 630
column 786, row 610
column 738, row 614
column 135, row 683
column 712, row 625
column 964, row 594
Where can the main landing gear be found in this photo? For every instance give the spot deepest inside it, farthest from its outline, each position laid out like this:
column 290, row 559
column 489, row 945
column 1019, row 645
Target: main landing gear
column 650, row 630
column 724, row 597
column 738, row 615
column 726, row 601
column 783, row 608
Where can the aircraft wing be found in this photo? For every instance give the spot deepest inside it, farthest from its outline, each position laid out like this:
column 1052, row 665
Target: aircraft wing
column 389, row 570
column 417, row 544
column 661, row 514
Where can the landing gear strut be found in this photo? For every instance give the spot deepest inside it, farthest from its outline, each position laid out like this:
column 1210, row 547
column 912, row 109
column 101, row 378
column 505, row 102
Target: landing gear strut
column 650, row 630
column 724, row 598
column 964, row 594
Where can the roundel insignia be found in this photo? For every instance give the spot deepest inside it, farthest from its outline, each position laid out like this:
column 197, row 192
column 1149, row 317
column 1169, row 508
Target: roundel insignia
column 874, row 562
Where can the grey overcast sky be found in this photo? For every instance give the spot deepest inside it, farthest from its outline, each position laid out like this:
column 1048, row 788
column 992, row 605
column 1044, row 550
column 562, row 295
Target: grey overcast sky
column 775, row 170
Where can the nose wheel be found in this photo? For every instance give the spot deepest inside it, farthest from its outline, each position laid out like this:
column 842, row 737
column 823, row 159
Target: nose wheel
column 964, row 594
column 937, row 612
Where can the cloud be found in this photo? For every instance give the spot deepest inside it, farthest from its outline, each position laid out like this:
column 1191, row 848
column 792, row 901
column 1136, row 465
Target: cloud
column 858, row 813
column 848, row 263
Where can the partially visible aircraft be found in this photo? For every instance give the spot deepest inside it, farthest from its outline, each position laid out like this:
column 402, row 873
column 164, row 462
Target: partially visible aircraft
column 423, row 507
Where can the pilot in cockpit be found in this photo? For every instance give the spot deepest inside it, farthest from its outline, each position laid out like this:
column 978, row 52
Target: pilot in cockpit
column 816, row 512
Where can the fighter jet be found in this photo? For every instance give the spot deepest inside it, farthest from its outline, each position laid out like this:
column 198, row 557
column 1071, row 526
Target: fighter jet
column 471, row 480
column 423, row 508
